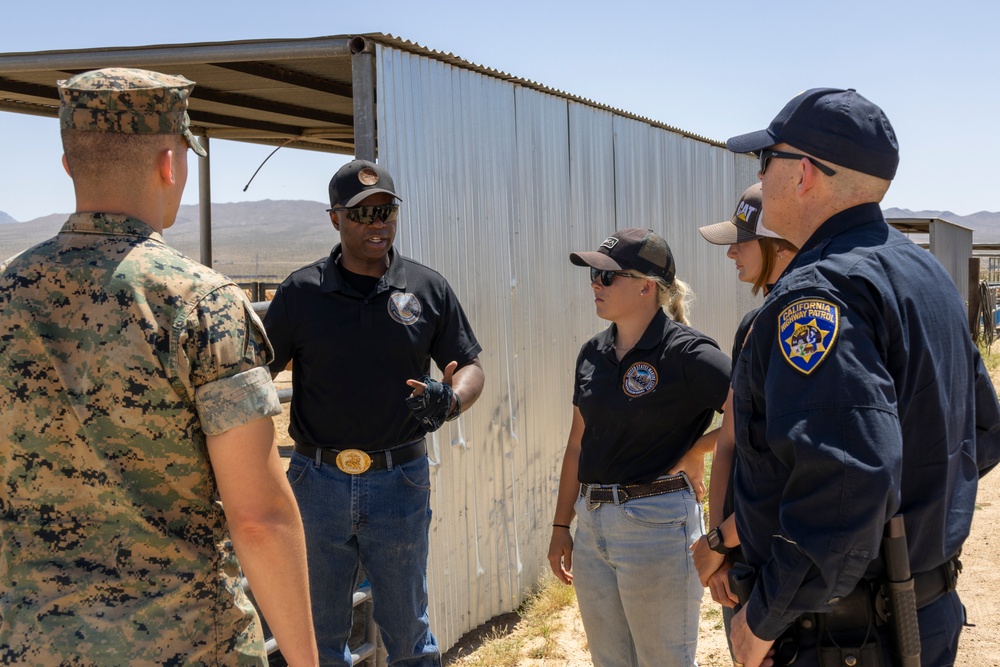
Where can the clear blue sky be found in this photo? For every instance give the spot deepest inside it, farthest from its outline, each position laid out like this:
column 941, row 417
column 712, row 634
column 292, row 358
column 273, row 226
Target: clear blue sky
column 713, row 68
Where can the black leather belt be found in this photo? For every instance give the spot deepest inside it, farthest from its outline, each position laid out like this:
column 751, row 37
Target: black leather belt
column 606, row 494
column 356, row 461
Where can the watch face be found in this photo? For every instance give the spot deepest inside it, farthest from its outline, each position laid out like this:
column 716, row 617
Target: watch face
column 714, row 539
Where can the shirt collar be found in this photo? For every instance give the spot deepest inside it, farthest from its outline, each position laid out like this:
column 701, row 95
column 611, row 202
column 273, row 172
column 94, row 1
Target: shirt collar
column 333, row 279
column 111, row 224
column 843, row 221
column 839, row 223
column 650, row 338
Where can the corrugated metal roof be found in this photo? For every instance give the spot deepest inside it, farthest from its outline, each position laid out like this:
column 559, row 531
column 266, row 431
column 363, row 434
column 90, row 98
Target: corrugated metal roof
column 293, row 92
column 452, row 59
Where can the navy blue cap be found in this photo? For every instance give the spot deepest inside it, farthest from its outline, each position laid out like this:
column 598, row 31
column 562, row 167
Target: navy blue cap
column 832, row 125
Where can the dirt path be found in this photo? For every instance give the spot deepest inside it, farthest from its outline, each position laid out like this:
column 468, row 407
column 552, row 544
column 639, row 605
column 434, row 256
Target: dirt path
column 979, row 584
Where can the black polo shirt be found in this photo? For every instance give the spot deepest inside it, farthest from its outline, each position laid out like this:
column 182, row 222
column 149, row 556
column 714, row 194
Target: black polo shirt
column 643, row 413
column 353, row 352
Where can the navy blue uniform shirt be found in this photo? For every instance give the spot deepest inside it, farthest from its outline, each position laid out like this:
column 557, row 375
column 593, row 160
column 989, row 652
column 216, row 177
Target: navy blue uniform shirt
column 858, row 395
column 353, row 352
column 643, row 413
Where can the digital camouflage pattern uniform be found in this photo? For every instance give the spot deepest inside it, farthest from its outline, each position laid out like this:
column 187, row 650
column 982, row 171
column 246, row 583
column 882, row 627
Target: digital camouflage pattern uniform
column 118, row 356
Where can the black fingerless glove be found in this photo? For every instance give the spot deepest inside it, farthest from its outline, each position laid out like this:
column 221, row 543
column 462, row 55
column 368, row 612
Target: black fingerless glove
column 433, row 407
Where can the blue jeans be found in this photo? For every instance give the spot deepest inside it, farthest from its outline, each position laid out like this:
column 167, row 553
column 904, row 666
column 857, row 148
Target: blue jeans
column 378, row 520
column 636, row 584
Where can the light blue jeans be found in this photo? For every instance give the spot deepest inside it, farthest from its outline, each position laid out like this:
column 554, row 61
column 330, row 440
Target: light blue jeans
column 378, row 520
column 636, row 584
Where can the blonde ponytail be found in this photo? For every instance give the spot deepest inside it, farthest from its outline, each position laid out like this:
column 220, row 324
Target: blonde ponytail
column 676, row 298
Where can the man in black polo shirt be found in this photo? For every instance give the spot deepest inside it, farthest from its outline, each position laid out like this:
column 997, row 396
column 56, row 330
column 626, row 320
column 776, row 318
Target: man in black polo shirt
column 362, row 327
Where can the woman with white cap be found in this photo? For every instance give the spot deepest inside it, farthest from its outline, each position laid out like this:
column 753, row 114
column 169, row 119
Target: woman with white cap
column 761, row 256
column 646, row 389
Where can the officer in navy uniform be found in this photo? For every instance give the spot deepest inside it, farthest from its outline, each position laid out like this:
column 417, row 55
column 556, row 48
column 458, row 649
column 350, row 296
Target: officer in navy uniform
column 858, row 396
column 362, row 326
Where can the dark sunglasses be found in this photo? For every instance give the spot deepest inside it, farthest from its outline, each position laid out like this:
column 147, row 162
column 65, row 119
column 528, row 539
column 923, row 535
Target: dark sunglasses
column 781, row 155
column 607, row 277
column 367, row 215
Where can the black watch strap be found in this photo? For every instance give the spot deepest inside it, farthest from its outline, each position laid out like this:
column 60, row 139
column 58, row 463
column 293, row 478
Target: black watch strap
column 716, row 542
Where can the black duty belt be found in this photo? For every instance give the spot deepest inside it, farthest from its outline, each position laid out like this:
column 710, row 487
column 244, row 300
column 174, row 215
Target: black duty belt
column 357, row 461
column 606, row 494
column 931, row 585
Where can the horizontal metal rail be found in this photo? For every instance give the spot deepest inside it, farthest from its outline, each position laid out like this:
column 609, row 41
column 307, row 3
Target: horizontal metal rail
column 365, row 652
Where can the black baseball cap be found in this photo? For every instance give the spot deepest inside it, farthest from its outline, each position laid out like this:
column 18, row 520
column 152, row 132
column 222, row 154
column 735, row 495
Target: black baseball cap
column 631, row 249
column 833, row 125
column 359, row 179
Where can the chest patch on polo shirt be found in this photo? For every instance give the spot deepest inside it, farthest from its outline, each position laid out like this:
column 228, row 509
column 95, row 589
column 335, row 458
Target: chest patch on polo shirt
column 404, row 307
column 807, row 330
column 639, row 379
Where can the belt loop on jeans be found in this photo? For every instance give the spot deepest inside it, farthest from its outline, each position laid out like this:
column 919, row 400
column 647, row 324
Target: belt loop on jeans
column 319, row 457
column 388, row 459
column 614, row 493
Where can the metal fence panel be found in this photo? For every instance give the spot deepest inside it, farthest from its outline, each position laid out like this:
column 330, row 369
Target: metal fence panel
column 500, row 183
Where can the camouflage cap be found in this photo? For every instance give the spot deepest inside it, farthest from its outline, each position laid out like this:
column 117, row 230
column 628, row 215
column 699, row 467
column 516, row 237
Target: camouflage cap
column 129, row 101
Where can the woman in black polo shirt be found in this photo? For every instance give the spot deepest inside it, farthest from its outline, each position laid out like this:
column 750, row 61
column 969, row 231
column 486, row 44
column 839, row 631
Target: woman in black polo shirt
column 646, row 389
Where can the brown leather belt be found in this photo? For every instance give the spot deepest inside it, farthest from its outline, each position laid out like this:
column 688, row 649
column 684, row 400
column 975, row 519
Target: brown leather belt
column 606, row 494
column 356, row 461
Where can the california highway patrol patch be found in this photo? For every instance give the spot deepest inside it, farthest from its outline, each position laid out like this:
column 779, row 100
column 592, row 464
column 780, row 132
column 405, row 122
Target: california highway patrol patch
column 807, row 330
column 639, row 379
column 404, row 308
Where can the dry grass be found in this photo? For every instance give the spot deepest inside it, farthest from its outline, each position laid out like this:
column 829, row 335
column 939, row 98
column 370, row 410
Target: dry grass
column 535, row 635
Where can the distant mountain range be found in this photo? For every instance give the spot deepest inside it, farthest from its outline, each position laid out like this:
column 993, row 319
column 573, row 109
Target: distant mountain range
column 263, row 240
column 266, row 240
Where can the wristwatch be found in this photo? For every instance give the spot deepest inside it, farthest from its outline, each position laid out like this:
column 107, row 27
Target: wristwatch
column 715, row 541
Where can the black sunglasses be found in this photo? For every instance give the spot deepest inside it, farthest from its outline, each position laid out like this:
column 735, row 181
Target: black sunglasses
column 608, row 276
column 781, row 155
column 367, row 215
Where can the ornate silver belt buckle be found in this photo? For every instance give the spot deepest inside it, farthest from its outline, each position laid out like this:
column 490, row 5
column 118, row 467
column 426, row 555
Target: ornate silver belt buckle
column 353, row 461
column 591, row 505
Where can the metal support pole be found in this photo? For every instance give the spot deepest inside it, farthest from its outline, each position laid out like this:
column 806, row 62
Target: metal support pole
column 974, row 304
column 363, row 77
column 205, row 202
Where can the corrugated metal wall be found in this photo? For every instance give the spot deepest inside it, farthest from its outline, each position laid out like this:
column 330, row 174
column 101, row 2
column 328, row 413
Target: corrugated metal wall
column 952, row 245
column 500, row 183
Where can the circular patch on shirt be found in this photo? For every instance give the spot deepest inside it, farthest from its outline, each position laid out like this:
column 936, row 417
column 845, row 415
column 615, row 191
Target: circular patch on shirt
column 404, row 308
column 640, row 379
column 807, row 330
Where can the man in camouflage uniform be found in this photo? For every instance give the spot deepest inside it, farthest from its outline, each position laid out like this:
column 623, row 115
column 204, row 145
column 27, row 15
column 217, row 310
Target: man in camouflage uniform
column 134, row 395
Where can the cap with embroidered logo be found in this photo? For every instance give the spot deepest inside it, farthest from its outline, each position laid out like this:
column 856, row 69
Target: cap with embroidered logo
column 832, row 125
column 357, row 180
column 745, row 225
column 631, row 249
column 127, row 101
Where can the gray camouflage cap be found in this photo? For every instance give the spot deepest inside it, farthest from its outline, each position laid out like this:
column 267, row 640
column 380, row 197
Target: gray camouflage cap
column 128, row 101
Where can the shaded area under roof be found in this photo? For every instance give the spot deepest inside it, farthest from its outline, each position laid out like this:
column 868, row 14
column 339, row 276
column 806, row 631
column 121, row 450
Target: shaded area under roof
column 293, row 92
column 919, row 225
